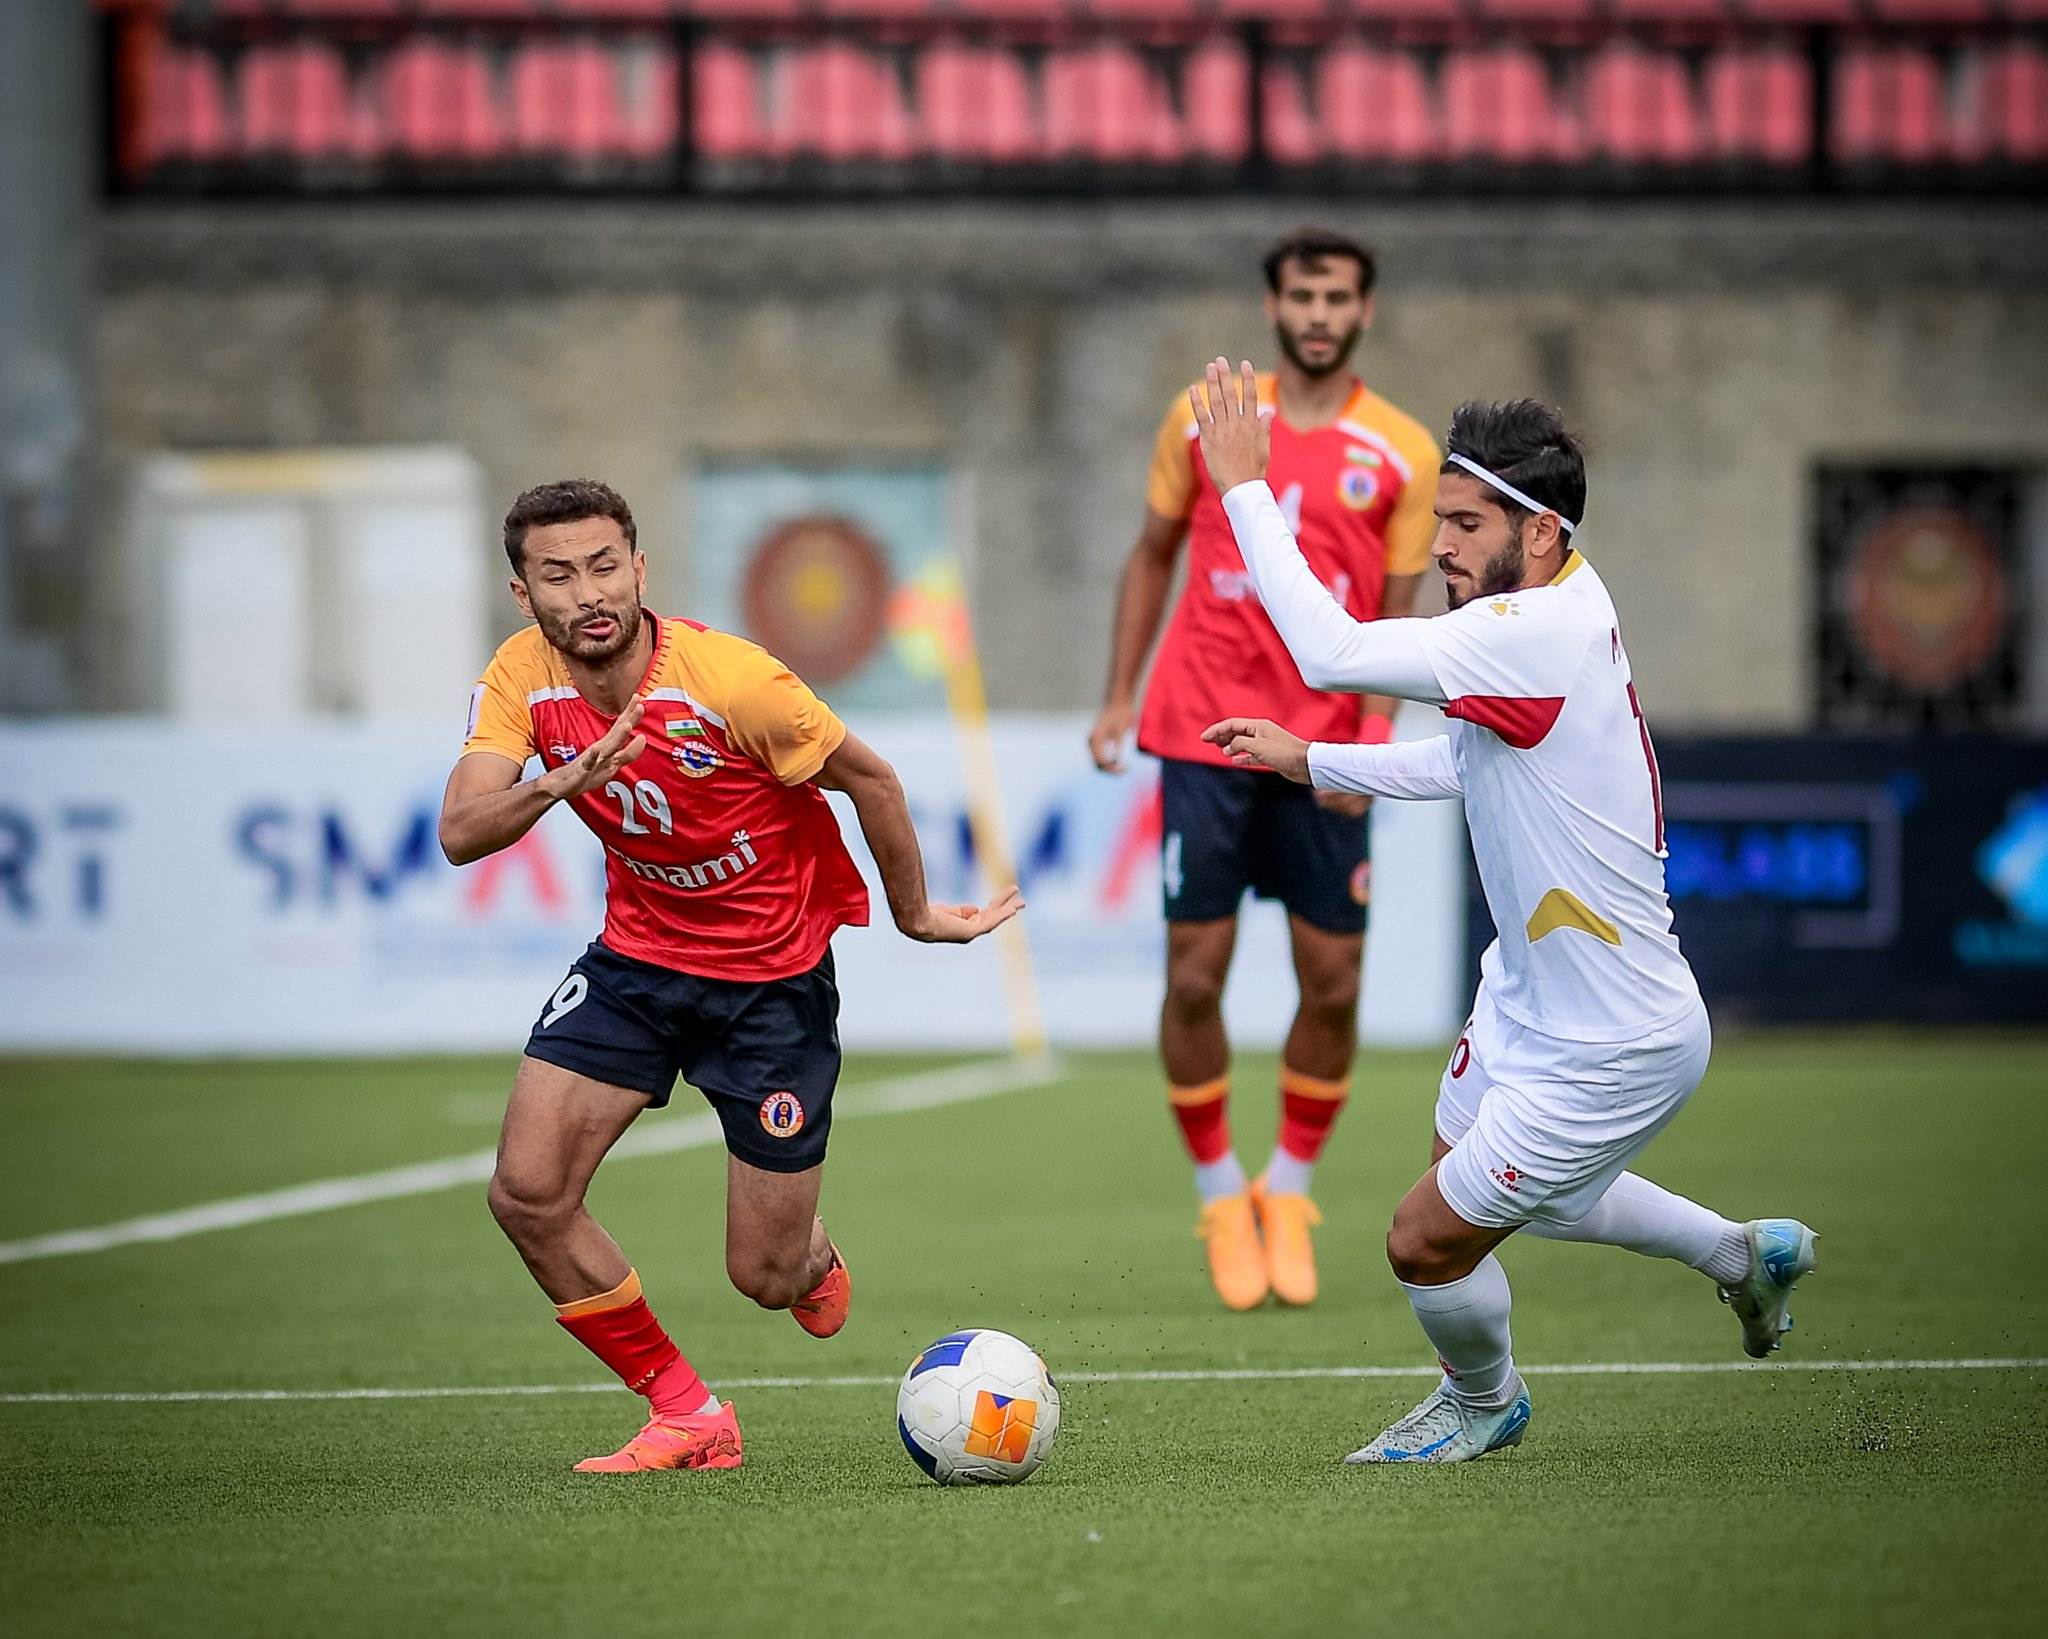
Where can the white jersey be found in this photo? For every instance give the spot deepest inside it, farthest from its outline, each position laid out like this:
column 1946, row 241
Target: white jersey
column 1550, row 752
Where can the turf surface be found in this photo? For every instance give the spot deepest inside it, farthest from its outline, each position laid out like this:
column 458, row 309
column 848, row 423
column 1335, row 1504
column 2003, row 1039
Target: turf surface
column 1839, row 1502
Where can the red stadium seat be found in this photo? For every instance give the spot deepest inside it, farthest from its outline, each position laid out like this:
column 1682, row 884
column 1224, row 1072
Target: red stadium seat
column 1800, row 11
column 1290, row 133
column 843, row 103
column 1536, row 10
column 565, row 100
column 1640, row 108
column 185, row 114
column 1012, row 8
column 878, row 8
column 1671, row 10
column 1216, row 96
column 1276, row 8
column 1497, row 105
column 442, row 102
column 725, row 103
column 975, row 103
column 2010, row 105
column 1760, row 105
column 1102, row 102
column 481, row 9
column 609, row 9
column 1400, row 10
column 1889, row 107
column 295, row 101
column 1374, row 105
column 1930, row 11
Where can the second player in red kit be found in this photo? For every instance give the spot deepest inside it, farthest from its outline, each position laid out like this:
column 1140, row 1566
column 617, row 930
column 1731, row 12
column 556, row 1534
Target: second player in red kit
column 1357, row 480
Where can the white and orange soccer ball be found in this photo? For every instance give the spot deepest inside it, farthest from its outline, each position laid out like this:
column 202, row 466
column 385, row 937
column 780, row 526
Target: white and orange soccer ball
column 978, row 1408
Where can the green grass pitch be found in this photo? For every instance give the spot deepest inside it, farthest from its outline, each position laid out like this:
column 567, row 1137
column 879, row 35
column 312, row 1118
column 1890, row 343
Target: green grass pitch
column 1842, row 1502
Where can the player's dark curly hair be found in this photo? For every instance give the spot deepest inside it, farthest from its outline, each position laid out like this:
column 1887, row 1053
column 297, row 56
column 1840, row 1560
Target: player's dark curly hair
column 1312, row 247
column 1525, row 442
column 564, row 502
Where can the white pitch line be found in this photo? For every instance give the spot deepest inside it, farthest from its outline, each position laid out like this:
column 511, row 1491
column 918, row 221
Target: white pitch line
column 1253, row 1374
column 956, row 1084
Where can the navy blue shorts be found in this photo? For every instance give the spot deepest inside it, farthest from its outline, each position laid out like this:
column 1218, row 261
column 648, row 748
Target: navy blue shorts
column 1229, row 829
column 766, row 1054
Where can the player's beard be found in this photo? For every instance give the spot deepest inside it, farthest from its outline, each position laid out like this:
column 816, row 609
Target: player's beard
column 566, row 634
column 1316, row 372
column 1500, row 573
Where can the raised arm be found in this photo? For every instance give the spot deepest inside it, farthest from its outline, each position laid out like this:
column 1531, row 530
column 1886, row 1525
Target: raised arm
column 487, row 806
column 1333, row 650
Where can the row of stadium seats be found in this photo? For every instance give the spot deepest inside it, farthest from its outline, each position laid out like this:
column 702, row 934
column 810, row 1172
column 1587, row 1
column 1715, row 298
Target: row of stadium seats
column 430, row 101
column 1903, row 11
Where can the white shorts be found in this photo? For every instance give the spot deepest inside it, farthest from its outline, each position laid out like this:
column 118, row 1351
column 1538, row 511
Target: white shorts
column 1540, row 1128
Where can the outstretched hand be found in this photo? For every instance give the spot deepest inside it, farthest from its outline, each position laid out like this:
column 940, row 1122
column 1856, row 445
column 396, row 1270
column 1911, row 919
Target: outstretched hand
column 618, row 747
column 1237, row 436
column 1253, row 742
column 963, row 924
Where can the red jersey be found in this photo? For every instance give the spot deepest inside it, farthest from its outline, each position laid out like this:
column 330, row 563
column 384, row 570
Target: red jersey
column 721, row 860
column 1359, row 495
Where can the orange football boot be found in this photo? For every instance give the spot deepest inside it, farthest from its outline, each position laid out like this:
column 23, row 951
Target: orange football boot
column 710, row 1441
column 1284, row 1220
column 1237, row 1262
column 822, row 1310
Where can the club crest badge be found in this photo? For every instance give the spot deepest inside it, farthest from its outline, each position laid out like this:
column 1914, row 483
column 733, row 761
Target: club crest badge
column 695, row 758
column 1358, row 487
column 782, row 1116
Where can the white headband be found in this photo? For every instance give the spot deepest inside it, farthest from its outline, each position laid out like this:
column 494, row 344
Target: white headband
column 1509, row 490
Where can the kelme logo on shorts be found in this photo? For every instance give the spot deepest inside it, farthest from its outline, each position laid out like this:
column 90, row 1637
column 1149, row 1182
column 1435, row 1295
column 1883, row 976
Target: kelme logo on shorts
column 781, row 1115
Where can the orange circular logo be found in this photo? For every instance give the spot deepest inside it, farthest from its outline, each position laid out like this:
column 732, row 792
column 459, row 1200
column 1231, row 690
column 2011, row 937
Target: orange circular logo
column 782, row 1116
column 1361, row 883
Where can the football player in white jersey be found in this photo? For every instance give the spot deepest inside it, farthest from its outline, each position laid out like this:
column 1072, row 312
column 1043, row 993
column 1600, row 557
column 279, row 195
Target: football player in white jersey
column 1587, row 1035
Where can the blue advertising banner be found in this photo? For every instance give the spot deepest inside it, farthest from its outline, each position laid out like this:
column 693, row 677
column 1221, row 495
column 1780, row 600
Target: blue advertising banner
column 1867, row 878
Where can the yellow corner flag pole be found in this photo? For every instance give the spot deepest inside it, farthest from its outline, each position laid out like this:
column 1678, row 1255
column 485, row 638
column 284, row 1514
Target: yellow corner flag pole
column 930, row 621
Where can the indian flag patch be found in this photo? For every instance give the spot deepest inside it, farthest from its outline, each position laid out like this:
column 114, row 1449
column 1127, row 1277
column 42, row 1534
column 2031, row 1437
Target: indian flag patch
column 1364, row 457
column 682, row 728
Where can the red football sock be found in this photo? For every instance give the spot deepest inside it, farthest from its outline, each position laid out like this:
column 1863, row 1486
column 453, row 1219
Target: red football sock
column 1204, row 1116
column 619, row 1328
column 1308, row 1110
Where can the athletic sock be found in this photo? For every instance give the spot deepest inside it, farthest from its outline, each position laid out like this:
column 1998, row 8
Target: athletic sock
column 1467, row 1321
column 1646, row 1218
column 619, row 1328
column 1203, row 1112
column 1308, row 1110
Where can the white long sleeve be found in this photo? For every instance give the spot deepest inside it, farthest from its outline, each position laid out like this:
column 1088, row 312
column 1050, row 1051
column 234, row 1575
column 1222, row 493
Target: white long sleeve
column 1333, row 650
column 1410, row 770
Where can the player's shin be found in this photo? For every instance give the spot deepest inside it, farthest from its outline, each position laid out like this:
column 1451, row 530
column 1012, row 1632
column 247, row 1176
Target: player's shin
column 1645, row 1218
column 1203, row 1115
column 1467, row 1322
column 1309, row 1107
column 619, row 1328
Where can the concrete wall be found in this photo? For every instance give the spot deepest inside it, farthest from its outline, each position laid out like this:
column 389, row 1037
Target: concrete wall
column 1711, row 355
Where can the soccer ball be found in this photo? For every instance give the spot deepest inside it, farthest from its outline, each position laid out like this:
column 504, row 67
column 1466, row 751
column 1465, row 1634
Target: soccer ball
column 978, row 1408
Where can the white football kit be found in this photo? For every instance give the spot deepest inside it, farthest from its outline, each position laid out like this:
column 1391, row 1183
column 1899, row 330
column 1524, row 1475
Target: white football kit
column 1588, row 1033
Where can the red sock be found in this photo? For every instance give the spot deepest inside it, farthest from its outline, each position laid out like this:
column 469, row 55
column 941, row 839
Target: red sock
column 619, row 1328
column 1204, row 1116
column 1308, row 1110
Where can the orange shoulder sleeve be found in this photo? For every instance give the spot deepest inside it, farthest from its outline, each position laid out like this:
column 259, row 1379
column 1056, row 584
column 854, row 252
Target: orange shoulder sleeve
column 772, row 717
column 1170, row 485
column 1413, row 524
column 500, row 719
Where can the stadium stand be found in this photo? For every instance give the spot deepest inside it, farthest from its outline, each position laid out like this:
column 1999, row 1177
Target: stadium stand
column 313, row 95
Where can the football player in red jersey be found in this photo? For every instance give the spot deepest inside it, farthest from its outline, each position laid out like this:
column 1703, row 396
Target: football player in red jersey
column 696, row 758
column 1357, row 479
